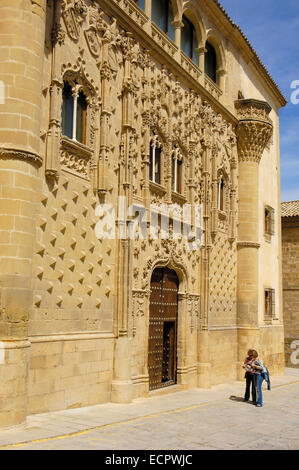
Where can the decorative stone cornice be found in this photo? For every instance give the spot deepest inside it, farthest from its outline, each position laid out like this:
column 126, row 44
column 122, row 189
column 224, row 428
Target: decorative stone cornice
column 21, row 155
column 251, row 109
column 254, row 130
column 248, row 244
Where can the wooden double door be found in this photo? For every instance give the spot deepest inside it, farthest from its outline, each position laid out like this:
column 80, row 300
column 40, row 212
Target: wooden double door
column 163, row 319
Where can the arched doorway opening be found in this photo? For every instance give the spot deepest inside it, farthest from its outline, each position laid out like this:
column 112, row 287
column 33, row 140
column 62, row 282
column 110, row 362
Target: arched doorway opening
column 163, row 321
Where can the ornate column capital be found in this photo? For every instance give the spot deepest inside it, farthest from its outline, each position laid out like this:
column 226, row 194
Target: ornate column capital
column 254, row 130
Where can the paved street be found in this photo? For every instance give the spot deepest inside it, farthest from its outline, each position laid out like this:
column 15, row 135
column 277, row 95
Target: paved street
column 196, row 419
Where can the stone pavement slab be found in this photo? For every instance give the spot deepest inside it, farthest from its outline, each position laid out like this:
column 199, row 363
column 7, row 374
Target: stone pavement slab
column 192, row 419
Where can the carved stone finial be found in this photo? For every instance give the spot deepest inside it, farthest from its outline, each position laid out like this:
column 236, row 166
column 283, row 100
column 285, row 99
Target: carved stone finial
column 57, row 35
column 254, row 130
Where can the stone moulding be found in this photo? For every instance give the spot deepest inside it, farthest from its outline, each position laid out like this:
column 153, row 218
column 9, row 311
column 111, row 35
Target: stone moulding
column 252, row 109
column 21, row 155
column 140, row 379
column 157, row 188
column 248, row 244
column 75, row 336
column 187, row 370
column 15, row 343
column 133, row 11
column 163, row 40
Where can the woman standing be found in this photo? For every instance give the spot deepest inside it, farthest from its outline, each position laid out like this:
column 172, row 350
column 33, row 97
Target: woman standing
column 257, row 366
column 250, row 377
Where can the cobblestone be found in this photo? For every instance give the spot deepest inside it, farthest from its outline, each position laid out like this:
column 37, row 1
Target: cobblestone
column 197, row 419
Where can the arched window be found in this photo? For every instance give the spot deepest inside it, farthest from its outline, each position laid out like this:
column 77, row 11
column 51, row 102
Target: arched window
column 176, row 166
column 211, row 62
column 162, row 15
column 74, row 113
column 221, row 195
column 81, row 118
column 67, row 111
column 189, row 43
column 140, row 3
column 155, row 160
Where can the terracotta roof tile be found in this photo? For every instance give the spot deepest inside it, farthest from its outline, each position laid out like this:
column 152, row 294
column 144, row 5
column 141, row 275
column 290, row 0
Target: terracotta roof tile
column 290, row 209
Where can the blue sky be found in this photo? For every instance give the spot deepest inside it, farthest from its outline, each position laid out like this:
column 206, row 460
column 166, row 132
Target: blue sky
column 272, row 27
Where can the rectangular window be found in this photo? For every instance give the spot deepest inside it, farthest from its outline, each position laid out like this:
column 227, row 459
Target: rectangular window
column 170, row 19
column 176, row 175
column 162, row 16
column 81, row 118
column 67, row 111
column 179, row 176
column 158, row 166
column 155, row 164
column 195, row 54
column 269, row 304
column 189, row 40
column 187, row 37
column 211, row 62
column 269, row 220
column 74, row 114
column 221, row 205
column 159, row 13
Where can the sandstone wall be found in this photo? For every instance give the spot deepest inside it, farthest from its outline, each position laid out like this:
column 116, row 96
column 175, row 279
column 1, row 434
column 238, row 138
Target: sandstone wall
column 290, row 253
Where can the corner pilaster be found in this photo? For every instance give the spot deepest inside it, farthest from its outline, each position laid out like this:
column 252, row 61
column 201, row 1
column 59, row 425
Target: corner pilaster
column 254, row 131
column 22, row 32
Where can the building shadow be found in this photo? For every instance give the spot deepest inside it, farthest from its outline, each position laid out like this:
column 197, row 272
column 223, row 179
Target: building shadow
column 240, row 399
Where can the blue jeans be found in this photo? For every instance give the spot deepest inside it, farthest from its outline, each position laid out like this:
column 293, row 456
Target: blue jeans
column 258, row 385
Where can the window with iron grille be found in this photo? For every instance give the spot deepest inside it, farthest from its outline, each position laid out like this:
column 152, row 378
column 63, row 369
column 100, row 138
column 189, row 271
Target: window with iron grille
column 269, row 304
column 269, row 221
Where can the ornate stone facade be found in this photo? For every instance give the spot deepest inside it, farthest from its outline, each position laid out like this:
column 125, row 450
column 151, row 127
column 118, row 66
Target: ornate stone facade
column 75, row 306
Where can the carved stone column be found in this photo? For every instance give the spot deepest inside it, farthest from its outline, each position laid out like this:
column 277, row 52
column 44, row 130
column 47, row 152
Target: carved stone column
column 201, row 56
column 56, row 87
column 148, row 7
column 254, row 131
column 121, row 391
column 214, row 212
column 182, row 359
column 204, row 365
column 177, row 26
